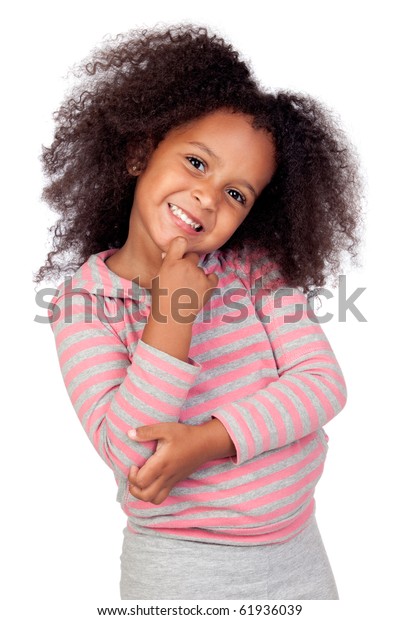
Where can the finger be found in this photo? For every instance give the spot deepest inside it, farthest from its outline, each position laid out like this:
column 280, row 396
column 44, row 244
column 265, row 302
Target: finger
column 147, row 433
column 155, row 493
column 212, row 279
column 162, row 495
column 133, row 473
column 176, row 250
column 152, row 470
column 193, row 258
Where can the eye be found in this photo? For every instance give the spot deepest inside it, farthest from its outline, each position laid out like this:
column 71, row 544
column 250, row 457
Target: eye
column 237, row 196
column 197, row 163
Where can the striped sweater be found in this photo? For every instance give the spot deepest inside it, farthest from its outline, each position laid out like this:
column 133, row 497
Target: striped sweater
column 259, row 362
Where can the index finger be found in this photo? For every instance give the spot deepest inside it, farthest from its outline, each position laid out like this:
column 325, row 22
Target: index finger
column 177, row 249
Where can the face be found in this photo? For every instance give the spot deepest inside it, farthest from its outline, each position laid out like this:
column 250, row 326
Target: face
column 200, row 183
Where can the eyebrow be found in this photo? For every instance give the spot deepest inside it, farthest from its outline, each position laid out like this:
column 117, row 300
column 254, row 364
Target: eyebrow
column 203, row 147
column 206, row 149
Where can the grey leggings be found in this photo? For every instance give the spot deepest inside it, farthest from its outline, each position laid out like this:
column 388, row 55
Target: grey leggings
column 156, row 568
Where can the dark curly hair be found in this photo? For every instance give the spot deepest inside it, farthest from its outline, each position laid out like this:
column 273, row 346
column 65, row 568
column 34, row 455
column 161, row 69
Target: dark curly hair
column 139, row 86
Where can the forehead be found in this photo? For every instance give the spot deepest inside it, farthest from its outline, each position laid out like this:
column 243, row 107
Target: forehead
column 227, row 131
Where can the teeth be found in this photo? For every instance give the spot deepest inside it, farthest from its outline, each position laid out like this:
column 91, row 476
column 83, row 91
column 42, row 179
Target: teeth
column 182, row 216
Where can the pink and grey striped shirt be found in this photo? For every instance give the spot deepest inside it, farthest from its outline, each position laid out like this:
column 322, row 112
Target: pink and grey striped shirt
column 259, row 362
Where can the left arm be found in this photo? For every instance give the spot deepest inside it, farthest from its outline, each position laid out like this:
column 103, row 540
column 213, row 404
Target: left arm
column 309, row 392
column 310, row 389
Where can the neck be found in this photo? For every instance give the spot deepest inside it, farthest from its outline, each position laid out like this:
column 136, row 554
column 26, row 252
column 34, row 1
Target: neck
column 130, row 263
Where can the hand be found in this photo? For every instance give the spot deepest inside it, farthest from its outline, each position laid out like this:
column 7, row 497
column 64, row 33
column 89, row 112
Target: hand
column 181, row 450
column 180, row 276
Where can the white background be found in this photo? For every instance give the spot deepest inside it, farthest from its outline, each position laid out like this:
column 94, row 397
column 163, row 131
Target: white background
column 61, row 525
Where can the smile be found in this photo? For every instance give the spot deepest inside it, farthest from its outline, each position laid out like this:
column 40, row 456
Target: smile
column 185, row 218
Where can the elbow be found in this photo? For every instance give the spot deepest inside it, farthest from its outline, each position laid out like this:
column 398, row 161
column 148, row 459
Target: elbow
column 331, row 390
column 340, row 390
column 112, row 449
column 118, row 451
column 343, row 388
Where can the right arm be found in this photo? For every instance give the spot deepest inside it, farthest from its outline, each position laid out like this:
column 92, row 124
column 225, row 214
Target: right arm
column 181, row 448
column 111, row 391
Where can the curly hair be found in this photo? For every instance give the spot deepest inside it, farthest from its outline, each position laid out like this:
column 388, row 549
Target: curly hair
column 142, row 84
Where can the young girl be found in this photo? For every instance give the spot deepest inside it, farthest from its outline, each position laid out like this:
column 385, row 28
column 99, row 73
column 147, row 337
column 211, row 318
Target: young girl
column 199, row 212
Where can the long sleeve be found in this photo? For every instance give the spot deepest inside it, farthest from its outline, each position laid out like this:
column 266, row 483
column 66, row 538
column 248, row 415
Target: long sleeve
column 112, row 389
column 310, row 389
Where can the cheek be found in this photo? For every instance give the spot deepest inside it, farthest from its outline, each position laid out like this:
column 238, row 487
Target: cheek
column 239, row 219
column 230, row 224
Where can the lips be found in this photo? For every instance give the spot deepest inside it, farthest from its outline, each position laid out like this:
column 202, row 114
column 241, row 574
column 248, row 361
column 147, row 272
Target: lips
column 185, row 217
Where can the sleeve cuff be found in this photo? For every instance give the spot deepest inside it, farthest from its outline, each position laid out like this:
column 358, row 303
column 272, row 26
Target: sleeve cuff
column 146, row 351
column 241, row 455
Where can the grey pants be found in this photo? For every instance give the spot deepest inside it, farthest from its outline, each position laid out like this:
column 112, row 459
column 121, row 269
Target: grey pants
column 155, row 568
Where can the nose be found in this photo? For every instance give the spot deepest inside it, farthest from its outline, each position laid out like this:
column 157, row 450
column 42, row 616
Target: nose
column 206, row 195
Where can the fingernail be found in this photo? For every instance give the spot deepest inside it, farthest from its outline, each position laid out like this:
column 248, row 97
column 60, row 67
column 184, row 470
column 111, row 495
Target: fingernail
column 163, row 254
column 132, row 433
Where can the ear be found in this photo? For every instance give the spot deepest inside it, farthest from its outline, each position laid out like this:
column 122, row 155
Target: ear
column 134, row 168
column 138, row 154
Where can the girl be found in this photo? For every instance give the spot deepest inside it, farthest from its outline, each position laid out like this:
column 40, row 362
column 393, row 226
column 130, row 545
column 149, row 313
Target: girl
column 199, row 212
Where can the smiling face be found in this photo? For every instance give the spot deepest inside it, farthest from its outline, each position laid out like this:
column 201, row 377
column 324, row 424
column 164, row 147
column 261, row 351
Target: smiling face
column 200, row 183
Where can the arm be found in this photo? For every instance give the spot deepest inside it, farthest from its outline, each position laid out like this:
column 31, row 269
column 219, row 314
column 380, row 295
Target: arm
column 181, row 448
column 111, row 391
column 310, row 389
